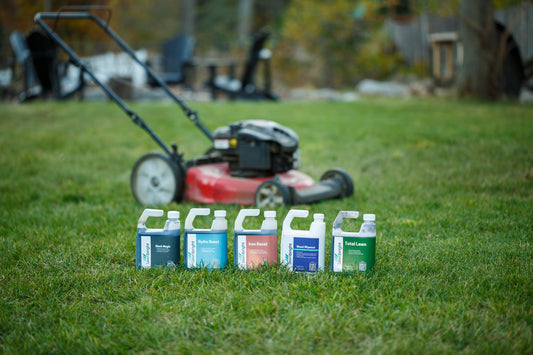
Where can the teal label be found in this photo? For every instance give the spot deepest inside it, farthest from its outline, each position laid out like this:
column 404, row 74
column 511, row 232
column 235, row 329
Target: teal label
column 207, row 250
column 354, row 254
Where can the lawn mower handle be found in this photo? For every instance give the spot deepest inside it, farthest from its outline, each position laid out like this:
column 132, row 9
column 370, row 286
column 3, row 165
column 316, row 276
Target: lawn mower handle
column 83, row 15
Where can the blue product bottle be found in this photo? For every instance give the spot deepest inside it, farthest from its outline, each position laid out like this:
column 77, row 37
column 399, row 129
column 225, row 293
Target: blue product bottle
column 206, row 247
column 158, row 247
column 253, row 248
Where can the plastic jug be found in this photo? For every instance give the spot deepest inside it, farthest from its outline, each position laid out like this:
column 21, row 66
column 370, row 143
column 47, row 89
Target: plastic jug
column 251, row 247
column 302, row 250
column 352, row 251
column 206, row 247
column 158, row 247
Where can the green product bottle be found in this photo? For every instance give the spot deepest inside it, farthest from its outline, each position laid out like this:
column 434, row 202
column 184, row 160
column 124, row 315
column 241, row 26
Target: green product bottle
column 352, row 251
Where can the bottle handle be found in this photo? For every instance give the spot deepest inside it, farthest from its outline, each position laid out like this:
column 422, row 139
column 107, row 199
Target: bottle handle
column 193, row 213
column 248, row 212
column 342, row 216
column 149, row 212
column 293, row 214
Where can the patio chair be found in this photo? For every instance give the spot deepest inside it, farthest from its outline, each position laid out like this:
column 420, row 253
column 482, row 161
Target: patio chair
column 246, row 87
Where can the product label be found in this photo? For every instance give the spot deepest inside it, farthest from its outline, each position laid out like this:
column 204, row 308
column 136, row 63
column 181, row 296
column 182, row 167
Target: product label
column 156, row 251
column 305, row 257
column 207, row 250
column 254, row 250
column 353, row 254
column 146, row 251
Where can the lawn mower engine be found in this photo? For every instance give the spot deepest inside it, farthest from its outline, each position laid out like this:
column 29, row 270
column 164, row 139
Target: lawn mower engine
column 257, row 148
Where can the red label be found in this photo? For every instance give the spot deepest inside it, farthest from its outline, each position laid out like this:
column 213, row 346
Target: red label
column 261, row 249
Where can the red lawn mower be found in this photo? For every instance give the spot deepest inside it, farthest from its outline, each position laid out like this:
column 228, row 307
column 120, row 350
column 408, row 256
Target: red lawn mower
column 250, row 162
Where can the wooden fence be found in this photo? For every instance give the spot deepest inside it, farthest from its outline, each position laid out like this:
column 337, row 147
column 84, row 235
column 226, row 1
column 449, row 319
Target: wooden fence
column 413, row 38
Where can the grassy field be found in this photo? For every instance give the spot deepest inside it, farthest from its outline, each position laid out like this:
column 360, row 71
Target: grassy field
column 451, row 184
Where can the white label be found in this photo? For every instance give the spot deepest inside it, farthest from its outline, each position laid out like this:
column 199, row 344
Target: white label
column 287, row 253
column 241, row 250
column 146, row 251
column 191, row 250
column 337, row 254
column 221, row 143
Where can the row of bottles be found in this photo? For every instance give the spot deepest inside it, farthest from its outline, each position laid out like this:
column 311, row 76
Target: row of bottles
column 300, row 250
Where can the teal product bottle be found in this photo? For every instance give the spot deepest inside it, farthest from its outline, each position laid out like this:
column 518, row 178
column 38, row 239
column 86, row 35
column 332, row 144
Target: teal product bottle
column 158, row 247
column 206, row 247
column 352, row 251
column 303, row 250
column 253, row 248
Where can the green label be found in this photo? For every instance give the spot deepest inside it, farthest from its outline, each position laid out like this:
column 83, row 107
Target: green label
column 353, row 254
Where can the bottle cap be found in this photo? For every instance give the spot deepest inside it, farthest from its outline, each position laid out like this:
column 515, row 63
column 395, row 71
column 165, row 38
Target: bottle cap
column 173, row 214
column 220, row 213
column 369, row 217
column 318, row 216
column 270, row 214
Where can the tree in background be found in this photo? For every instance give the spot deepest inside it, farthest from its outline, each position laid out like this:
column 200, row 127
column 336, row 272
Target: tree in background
column 338, row 42
column 317, row 42
column 488, row 67
column 478, row 35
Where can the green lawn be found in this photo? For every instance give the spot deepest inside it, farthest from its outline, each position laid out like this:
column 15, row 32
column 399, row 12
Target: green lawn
column 451, row 184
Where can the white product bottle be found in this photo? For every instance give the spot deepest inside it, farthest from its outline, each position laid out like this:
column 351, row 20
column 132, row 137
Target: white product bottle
column 303, row 250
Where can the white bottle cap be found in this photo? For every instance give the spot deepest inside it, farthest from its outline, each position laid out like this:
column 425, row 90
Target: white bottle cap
column 173, row 214
column 270, row 214
column 369, row 217
column 220, row 213
column 318, row 216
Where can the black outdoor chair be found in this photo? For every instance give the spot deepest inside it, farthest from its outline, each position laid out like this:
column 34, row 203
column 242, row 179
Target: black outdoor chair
column 177, row 55
column 43, row 73
column 246, row 88
column 31, row 86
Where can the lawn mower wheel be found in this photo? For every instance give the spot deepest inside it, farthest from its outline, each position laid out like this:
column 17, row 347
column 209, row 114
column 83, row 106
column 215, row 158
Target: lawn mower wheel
column 272, row 193
column 157, row 180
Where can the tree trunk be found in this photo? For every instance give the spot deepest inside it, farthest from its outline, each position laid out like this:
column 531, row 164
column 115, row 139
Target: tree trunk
column 246, row 8
column 479, row 73
column 189, row 14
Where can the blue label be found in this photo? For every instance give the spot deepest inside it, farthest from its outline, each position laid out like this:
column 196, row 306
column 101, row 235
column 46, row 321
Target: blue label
column 305, row 256
column 207, row 250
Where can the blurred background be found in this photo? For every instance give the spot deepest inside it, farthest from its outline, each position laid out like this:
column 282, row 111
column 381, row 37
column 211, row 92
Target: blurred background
column 312, row 43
